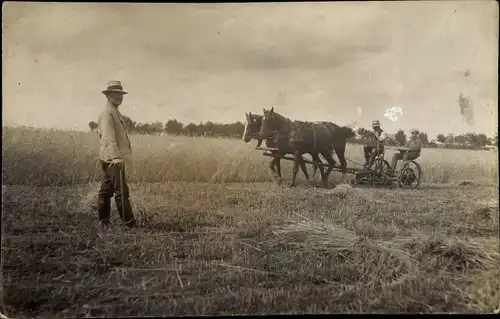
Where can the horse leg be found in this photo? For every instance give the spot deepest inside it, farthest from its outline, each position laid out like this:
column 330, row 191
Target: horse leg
column 343, row 163
column 331, row 163
column 316, row 158
column 272, row 165
column 278, row 169
column 315, row 168
column 303, row 167
column 259, row 142
column 298, row 159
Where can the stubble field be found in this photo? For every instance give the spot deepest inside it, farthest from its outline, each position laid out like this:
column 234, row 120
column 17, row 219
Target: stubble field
column 216, row 236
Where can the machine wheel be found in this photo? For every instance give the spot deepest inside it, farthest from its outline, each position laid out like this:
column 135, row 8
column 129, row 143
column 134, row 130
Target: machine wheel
column 382, row 168
column 410, row 175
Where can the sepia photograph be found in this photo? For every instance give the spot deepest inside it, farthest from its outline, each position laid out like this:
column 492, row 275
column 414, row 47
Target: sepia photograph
column 255, row 158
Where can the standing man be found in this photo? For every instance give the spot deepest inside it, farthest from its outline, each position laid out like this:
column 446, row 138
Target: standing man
column 410, row 151
column 376, row 146
column 114, row 152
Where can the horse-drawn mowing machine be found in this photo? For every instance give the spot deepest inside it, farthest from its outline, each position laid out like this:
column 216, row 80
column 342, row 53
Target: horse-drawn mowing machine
column 409, row 176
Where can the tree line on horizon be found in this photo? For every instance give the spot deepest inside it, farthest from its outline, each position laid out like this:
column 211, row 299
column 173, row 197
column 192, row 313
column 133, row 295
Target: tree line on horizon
column 235, row 130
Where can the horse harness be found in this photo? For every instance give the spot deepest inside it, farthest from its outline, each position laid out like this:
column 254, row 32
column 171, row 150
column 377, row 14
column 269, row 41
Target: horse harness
column 314, row 132
column 290, row 129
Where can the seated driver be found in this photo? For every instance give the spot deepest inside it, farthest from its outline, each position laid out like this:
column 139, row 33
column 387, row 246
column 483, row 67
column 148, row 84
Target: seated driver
column 379, row 138
column 410, row 151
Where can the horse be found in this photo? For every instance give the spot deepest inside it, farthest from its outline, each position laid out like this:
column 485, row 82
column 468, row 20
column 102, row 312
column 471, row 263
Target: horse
column 252, row 128
column 309, row 137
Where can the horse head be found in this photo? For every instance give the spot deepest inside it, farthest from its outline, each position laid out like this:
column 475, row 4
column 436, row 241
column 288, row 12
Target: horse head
column 269, row 123
column 274, row 123
column 252, row 126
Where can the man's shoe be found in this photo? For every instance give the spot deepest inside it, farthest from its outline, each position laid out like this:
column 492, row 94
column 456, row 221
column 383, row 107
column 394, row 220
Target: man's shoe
column 105, row 224
column 131, row 224
column 126, row 213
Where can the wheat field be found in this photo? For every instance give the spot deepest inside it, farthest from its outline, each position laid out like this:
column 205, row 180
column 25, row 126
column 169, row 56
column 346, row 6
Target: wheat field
column 59, row 158
column 217, row 237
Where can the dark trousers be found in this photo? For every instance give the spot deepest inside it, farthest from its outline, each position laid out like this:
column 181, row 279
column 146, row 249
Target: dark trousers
column 114, row 183
column 371, row 152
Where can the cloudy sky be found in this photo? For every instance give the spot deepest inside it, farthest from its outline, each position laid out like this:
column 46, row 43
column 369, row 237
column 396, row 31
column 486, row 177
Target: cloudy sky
column 199, row 62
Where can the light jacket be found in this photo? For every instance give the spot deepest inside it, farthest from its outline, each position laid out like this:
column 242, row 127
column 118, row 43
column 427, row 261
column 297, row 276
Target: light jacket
column 375, row 137
column 415, row 145
column 114, row 141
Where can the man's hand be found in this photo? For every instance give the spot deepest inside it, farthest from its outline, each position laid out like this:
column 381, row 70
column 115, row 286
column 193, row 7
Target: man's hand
column 404, row 149
column 117, row 162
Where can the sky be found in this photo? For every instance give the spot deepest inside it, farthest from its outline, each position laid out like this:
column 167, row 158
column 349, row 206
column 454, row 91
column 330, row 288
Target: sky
column 214, row 62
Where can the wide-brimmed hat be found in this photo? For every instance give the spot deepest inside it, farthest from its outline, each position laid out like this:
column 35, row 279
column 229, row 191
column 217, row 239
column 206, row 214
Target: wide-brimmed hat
column 114, row 86
column 375, row 123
